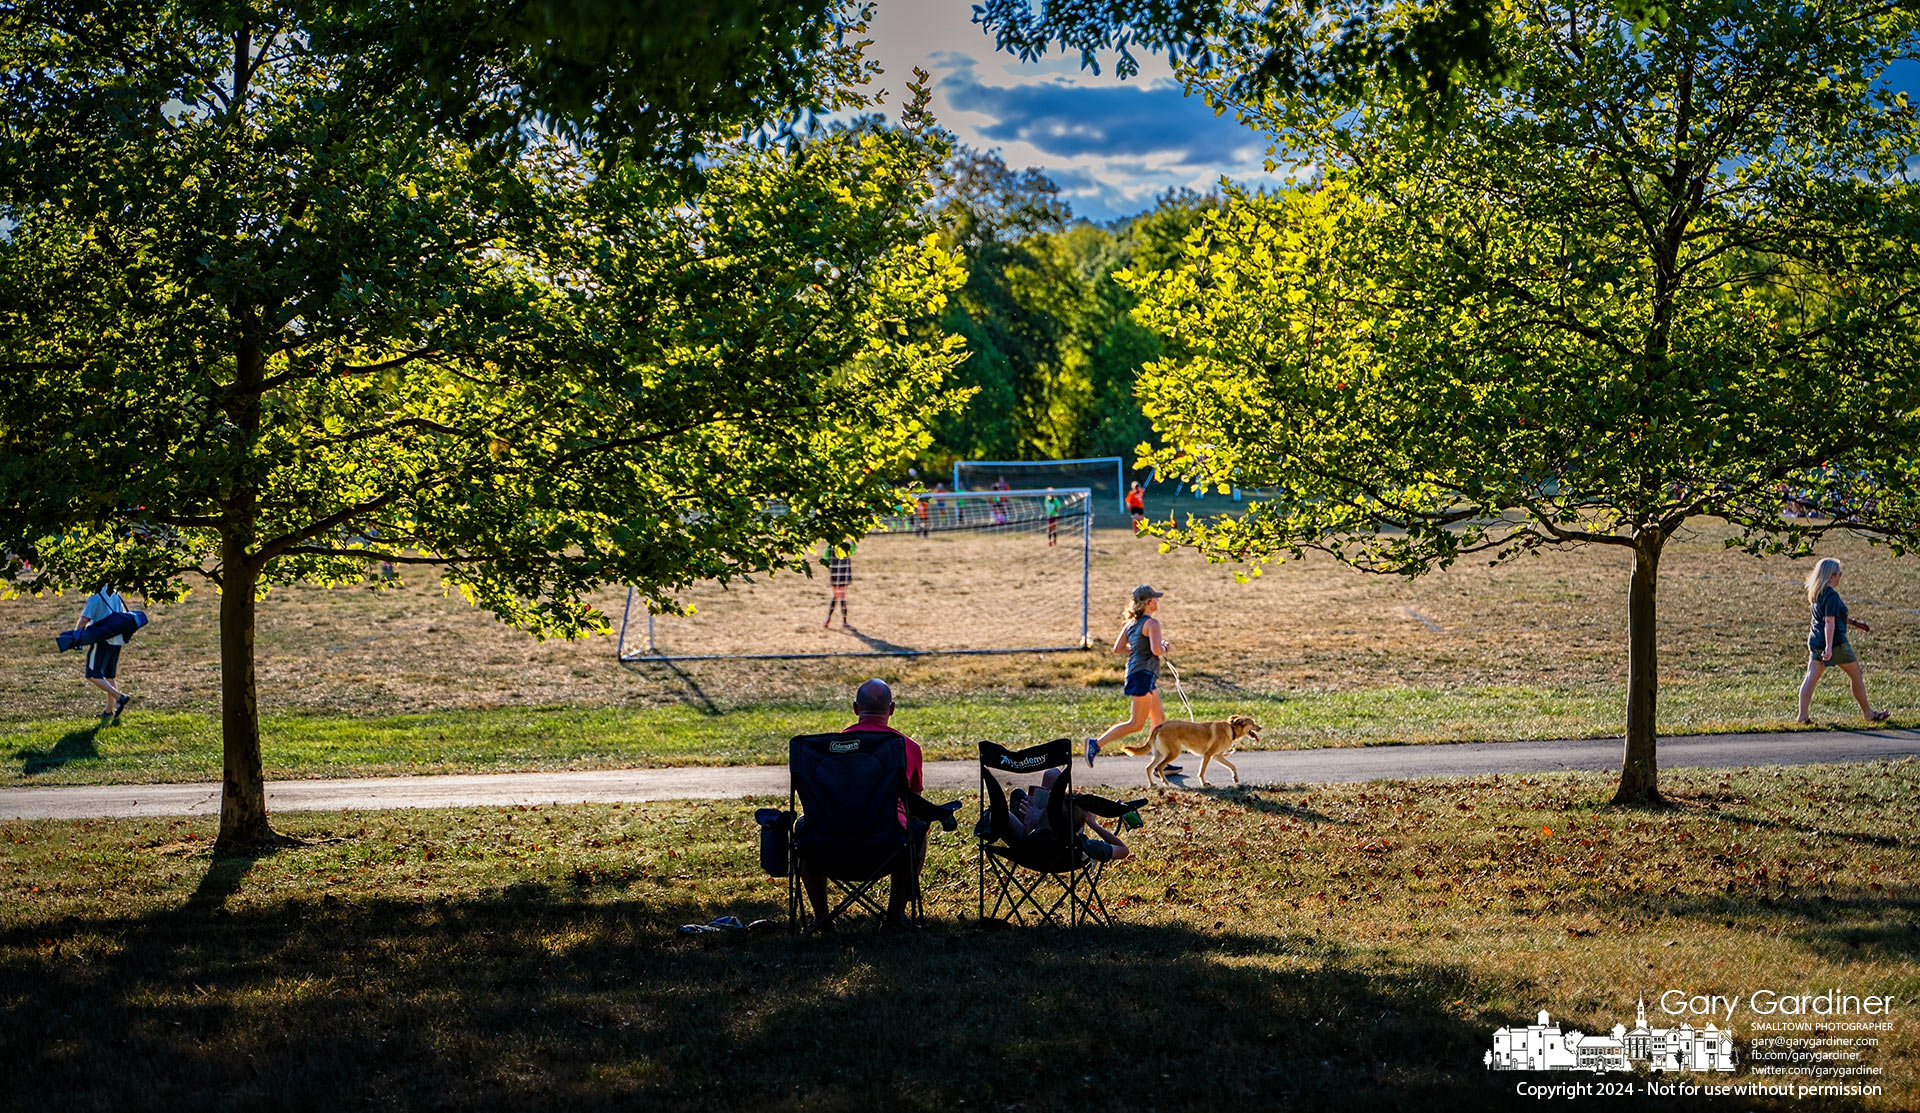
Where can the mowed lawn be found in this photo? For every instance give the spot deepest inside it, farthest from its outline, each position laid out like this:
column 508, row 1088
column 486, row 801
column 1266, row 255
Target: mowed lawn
column 1348, row 947
column 178, row 746
column 363, row 681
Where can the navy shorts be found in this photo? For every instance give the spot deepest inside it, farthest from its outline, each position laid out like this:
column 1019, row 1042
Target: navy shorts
column 103, row 661
column 1141, row 681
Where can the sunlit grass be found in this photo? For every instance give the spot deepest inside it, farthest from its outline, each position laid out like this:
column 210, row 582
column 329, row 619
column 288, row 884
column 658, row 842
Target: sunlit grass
column 162, row 746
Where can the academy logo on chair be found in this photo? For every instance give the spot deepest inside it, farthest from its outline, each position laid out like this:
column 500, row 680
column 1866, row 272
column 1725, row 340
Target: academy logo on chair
column 1543, row 1045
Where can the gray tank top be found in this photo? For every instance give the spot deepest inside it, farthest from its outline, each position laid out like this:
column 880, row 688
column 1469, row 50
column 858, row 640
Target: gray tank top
column 1140, row 656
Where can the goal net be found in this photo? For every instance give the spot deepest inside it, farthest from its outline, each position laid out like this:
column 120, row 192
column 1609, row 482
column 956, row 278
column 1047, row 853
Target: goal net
column 1103, row 476
column 968, row 572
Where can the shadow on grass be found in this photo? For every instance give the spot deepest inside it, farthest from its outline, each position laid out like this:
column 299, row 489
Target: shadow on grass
column 694, row 695
column 75, row 745
column 878, row 645
column 529, row 999
column 1850, row 926
column 1267, row 801
column 1773, row 823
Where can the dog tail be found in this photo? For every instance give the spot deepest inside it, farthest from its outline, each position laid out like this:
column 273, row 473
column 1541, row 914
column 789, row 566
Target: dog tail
column 1135, row 751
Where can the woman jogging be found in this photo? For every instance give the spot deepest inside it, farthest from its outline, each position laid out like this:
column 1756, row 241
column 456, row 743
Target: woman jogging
column 1144, row 645
column 1827, row 642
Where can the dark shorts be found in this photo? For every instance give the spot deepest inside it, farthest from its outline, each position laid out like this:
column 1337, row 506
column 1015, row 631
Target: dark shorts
column 1140, row 682
column 103, row 661
column 1843, row 654
column 1097, row 849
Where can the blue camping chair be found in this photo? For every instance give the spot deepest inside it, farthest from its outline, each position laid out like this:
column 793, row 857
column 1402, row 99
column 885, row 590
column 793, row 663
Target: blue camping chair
column 847, row 790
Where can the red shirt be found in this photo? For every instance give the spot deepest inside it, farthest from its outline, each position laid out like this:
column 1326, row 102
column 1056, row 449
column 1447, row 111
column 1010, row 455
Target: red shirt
column 1136, row 501
column 879, row 723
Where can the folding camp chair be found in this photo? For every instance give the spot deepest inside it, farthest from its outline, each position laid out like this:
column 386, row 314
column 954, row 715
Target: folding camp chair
column 849, row 789
column 1044, row 873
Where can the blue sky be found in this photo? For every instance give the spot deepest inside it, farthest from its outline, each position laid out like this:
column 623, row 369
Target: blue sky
column 1111, row 145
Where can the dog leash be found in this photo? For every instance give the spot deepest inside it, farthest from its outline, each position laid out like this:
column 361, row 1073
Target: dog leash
column 1177, row 687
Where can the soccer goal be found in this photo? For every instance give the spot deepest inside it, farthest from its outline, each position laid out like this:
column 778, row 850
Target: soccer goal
column 1104, row 476
column 948, row 572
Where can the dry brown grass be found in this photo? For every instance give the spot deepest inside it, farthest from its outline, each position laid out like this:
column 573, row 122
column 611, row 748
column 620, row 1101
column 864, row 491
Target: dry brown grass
column 1553, row 621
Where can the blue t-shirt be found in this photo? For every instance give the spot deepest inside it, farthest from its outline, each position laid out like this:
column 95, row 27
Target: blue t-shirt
column 1827, row 605
column 100, row 605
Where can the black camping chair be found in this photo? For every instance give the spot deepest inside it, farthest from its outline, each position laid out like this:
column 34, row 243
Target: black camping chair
column 848, row 789
column 1044, row 873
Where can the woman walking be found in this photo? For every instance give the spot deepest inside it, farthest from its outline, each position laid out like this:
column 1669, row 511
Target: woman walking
column 1827, row 642
column 1144, row 645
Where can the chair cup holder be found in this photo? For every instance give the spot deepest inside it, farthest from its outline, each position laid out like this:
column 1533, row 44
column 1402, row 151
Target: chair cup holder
column 776, row 840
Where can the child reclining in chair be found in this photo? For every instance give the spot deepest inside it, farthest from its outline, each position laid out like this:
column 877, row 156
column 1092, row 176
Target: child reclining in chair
column 1031, row 813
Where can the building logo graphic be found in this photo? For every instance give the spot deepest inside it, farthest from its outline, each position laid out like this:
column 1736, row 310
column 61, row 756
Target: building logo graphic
column 1543, row 1046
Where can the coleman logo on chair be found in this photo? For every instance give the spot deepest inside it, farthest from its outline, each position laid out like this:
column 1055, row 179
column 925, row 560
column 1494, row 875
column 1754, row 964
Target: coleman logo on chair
column 844, row 747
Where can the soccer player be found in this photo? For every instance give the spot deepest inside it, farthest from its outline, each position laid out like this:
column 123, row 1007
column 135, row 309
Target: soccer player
column 1137, row 506
column 839, row 575
column 1052, row 505
column 940, row 503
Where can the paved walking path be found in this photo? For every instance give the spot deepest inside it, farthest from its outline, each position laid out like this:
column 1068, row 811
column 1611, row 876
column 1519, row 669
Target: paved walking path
column 1269, row 767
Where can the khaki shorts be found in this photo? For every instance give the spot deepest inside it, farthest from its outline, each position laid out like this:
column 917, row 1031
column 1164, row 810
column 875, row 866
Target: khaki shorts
column 1843, row 654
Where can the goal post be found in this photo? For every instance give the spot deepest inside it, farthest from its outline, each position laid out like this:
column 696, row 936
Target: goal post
column 1105, row 476
column 971, row 572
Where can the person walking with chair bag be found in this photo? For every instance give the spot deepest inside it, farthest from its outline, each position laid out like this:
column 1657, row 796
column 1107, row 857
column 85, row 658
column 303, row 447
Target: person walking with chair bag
column 102, row 666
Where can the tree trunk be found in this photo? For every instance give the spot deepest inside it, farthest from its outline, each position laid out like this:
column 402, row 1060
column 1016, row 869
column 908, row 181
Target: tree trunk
column 1639, row 769
column 243, row 789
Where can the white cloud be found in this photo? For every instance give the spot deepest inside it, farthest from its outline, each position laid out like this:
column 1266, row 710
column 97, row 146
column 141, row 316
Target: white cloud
column 1112, row 145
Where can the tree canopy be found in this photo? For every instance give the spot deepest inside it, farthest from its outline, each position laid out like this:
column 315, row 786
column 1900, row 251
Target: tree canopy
column 271, row 309
column 1052, row 354
column 1326, row 48
column 1649, row 278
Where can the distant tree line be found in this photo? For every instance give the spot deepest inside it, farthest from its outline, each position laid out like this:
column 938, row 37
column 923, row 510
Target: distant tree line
column 1053, row 351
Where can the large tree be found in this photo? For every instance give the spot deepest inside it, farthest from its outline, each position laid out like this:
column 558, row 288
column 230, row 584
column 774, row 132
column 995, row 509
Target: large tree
column 1660, row 275
column 1017, row 310
column 283, row 294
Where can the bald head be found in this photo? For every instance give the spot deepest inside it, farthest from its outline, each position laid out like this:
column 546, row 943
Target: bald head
column 873, row 698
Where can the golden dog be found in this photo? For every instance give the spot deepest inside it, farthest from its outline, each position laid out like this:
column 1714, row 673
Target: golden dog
column 1211, row 740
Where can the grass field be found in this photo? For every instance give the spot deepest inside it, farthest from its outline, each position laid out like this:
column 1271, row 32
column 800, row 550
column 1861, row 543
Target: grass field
column 1346, row 947
column 366, row 680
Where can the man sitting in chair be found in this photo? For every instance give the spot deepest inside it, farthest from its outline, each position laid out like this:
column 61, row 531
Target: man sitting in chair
column 873, row 704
